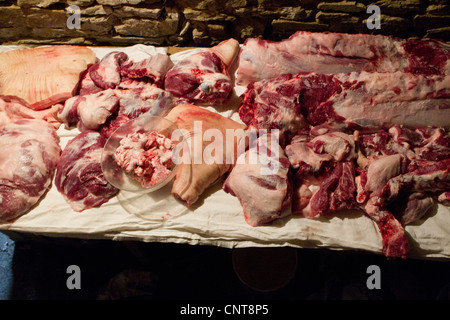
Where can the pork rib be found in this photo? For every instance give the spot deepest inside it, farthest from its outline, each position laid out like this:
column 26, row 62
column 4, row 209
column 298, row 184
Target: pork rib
column 28, row 166
column 339, row 53
column 41, row 77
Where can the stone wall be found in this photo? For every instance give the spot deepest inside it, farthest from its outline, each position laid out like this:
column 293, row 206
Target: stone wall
column 207, row 22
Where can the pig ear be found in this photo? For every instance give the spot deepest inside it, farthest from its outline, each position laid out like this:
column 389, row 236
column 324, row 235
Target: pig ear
column 227, row 51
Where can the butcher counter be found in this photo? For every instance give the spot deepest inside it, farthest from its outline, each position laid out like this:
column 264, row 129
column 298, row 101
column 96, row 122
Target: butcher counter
column 217, row 218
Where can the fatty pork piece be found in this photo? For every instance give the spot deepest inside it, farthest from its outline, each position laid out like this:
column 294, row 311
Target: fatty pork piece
column 329, row 53
column 79, row 177
column 260, row 180
column 193, row 178
column 89, row 112
column 106, row 110
column 116, row 68
column 148, row 100
column 203, row 77
column 41, row 77
column 357, row 100
column 12, row 112
column 28, row 165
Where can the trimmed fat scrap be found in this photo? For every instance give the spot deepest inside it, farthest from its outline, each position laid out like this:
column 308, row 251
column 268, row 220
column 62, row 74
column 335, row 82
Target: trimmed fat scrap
column 148, row 157
column 41, row 77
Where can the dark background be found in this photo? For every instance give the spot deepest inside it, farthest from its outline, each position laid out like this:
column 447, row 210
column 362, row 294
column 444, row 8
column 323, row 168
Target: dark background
column 113, row 270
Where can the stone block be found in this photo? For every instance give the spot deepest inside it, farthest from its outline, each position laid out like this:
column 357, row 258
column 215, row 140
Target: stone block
column 343, row 6
column 44, row 18
column 11, row 16
column 36, row 3
column 205, row 16
column 439, row 9
column 428, row 21
column 400, row 7
column 439, row 33
column 147, row 28
column 336, row 18
column 119, row 2
column 97, row 10
column 282, row 29
column 153, row 12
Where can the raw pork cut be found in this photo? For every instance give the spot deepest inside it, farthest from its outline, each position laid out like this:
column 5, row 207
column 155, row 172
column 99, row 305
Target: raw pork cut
column 203, row 77
column 324, row 173
column 192, row 179
column 117, row 89
column 41, row 77
column 116, row 67
column 148, row 100
column 79, row 177
column 329, row 53
column 357, row 100
column 28, row 165
column 89, row 111
column 13, row 111
column 260, row 180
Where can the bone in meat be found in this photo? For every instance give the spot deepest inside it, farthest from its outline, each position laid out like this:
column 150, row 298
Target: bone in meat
column 203, row 77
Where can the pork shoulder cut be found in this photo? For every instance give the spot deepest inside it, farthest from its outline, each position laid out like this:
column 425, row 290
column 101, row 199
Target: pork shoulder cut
column 79, row 177
column 28, row 165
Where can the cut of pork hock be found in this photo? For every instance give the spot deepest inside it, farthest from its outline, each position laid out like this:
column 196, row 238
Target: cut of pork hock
column 203, row 77
column 27, row 166
column 260, row 180
column 79, row 177
column 41, row 77
column 193, row 178
column 329, row 53
column 360, row 100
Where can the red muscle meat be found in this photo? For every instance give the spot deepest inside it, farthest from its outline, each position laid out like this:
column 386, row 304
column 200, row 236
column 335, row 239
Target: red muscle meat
column 350, row 100
column 339, row 53
column 28, row 166
column 203, row 77
column 79, row 177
